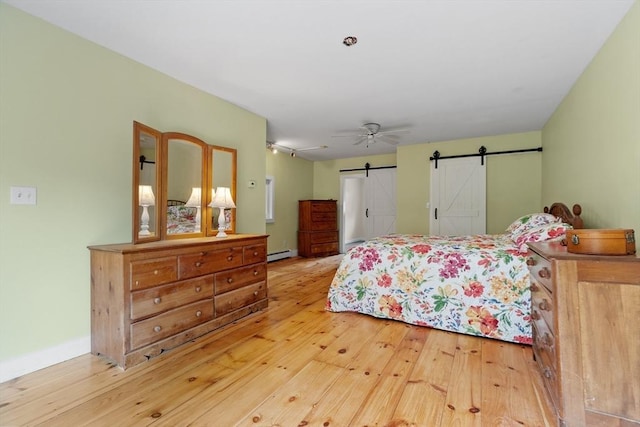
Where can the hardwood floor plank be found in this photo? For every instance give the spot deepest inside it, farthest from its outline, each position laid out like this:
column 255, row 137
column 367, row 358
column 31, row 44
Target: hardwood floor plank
column 380, row 404
column 295, row 363
column 296, row 398
column 423, row 399
column 464, row 394
column 503, row 366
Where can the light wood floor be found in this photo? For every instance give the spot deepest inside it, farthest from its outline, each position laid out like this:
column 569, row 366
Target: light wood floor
column 294, row 364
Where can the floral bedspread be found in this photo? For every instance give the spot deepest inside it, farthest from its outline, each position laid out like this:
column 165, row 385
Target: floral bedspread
column 476, row 285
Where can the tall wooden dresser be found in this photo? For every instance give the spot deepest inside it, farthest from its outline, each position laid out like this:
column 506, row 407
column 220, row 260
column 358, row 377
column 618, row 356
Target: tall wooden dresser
column 586, row 332
column 317, row 228
column 149, row 297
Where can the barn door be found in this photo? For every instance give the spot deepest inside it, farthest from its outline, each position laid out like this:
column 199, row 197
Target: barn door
column 380, row 190
column 458, row 197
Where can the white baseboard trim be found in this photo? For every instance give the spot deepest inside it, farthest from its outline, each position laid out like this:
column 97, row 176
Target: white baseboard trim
column 279, row 255
column 13, row 368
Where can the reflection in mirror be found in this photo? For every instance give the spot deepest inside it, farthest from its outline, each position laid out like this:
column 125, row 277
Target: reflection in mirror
column 223, row 174
column 183, row 185
column 146, row 182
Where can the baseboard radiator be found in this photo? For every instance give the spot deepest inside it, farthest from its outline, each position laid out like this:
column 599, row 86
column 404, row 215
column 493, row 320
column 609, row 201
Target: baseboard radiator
column 279, row 255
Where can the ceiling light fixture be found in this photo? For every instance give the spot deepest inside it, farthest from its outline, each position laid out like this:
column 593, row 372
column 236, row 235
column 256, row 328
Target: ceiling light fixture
column 350, row 40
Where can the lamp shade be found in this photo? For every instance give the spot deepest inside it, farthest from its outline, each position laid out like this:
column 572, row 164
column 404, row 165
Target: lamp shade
column 195, row 200
column 145, row 196
column 222, row 199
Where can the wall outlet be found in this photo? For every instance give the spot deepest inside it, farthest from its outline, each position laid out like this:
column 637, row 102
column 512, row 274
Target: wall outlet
column 22, row 196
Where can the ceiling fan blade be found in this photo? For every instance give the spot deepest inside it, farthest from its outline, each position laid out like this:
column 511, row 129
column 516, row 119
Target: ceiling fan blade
column 360, row 141
column 389, row 132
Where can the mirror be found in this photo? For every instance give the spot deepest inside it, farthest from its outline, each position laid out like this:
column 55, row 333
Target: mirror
column 223, row 174
column 184, row 182
column 181, row 171
column 146, row 179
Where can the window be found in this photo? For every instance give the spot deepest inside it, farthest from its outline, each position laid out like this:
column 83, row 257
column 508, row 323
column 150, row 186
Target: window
column 271, row 195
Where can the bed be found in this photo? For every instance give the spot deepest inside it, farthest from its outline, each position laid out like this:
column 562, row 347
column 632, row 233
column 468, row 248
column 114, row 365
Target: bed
column 181, row 219
column 476, row 285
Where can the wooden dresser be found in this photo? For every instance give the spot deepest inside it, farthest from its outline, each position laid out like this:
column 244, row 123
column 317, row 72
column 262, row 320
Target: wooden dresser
column 317, row 228
column 586, row 332
column 149, row 297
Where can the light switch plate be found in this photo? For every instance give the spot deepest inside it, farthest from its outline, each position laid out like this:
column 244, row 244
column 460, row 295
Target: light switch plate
column 23, row 196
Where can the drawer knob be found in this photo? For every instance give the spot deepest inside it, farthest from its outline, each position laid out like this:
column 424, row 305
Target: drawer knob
column 255, row 253
column 198, row 264
column 255, row 293
column 531, row 262
column 198, row 288
column 534, row 287
column 157, row 328
column 230, row 258
column 544, row 305
column 198, row 313
column 203, row 254
column 255, row 272
column 137, row 282
column 157, row 300
column 544, row 273
column 155, row 272
column 229, row 279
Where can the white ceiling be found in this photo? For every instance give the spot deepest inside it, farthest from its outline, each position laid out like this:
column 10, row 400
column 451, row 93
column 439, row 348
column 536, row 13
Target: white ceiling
column 444, row 69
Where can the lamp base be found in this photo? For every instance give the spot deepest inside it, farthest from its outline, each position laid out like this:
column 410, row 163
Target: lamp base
column 221, row 225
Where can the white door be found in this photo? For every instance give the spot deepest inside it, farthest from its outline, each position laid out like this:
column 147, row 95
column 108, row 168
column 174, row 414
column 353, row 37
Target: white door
column 458, row 197
column 380, row 190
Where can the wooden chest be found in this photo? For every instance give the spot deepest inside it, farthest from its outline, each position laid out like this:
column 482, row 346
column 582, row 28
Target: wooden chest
column 601, row 241
column 317, row 228
column 150, row 297
column 584, row 312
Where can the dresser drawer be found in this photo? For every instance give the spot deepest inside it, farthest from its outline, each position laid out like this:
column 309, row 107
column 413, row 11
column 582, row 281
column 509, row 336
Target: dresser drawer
column 254, row 254
column 233, row 279
column 541, row 304
column 540, row 270
column 323, row 223
column 324, row 248
column 545, row 358
column 162, row 298
column 319, row 207
column 207, row 262
column 148, row 273
column 238, row 298
column 170, row 323
column 323, row 237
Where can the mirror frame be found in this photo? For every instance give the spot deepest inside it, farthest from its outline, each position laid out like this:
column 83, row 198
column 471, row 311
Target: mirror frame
column 138, row 129
column 207, row 184
column 211, row 230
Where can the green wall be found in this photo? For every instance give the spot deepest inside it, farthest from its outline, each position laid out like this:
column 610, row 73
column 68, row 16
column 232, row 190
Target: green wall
column 293, row 181
column 67, row 108
column 592, row 141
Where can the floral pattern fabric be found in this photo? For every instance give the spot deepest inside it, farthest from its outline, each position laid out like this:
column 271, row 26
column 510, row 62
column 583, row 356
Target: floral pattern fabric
column 476, row 285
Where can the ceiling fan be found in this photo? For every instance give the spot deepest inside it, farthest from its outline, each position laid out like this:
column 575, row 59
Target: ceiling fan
column 370, row 133
column 292, row 151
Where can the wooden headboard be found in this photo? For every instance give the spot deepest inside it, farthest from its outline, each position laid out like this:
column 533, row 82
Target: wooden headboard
column 570, row 217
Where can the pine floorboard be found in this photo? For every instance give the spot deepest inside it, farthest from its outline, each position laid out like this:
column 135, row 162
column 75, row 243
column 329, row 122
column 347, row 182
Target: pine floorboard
column 294, row 364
